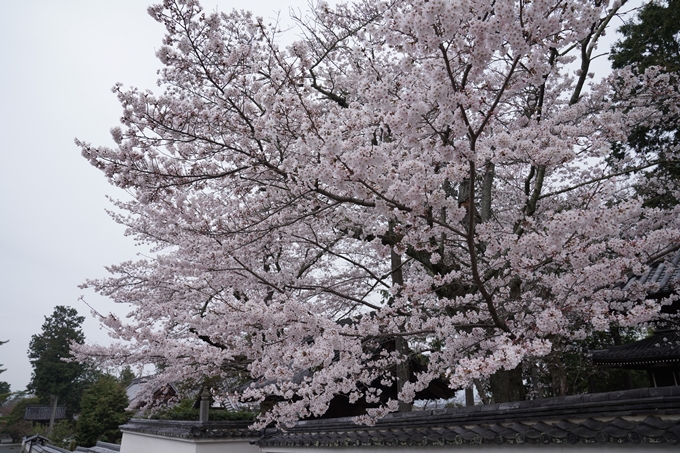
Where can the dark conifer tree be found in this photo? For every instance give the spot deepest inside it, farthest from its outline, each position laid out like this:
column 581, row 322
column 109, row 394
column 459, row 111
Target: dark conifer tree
column 652, row 39
column 103, row 410
column 52, row 377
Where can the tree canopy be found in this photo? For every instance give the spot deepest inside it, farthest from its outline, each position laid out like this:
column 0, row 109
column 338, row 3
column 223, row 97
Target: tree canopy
column 52, row 376
column 652, row 40
column 103, row 410
column 424, row 180
column 15, row 425
column 4, row 386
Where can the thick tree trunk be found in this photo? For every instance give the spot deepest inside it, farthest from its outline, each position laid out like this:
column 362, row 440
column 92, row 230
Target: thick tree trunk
column 481, row 392
column 517, row 390
column 53, row 413
column 499, row 386
column 507, row 386
column 487, row 185
column 558, row 375
column 469, row 396
column 536, row 382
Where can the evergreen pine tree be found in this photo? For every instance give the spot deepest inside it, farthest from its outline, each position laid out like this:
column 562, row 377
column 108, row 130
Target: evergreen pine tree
column 102, row 412
column 653, row 39
column 52, row 377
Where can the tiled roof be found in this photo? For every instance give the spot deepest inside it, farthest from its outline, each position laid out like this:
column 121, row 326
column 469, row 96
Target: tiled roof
column 47, row 448
column 191, row 429
column 220, row 399
column 642, row 415
column 650, row 416
column 43, row 413
column 660, row 349
column 39, row 444
column 666, row 273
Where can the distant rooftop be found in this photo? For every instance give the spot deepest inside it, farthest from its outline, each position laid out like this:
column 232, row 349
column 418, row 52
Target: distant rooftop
column 661, row 349
column 665, row 272
column 43, row 413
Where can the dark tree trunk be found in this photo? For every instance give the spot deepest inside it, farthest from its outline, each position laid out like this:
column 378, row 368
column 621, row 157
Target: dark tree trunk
column 558, row 375
column 53, row 413
column 469, row 397
column 507, row 385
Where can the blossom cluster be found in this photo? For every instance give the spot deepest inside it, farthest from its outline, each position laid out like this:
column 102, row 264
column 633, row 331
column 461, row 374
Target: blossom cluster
column 424, row 170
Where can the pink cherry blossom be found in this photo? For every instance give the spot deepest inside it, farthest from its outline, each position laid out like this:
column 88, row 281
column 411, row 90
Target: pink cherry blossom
column 428, row 170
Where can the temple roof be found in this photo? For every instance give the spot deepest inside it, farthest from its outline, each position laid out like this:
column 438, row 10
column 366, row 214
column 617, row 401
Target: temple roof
column 661, row 349
column 634, row 416
column 665, row 273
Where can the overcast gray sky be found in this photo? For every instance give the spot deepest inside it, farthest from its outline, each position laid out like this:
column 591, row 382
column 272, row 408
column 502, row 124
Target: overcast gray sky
column 59, row 60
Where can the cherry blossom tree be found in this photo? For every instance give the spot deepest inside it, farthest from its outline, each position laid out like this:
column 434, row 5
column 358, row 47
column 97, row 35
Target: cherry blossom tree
column 434, row 173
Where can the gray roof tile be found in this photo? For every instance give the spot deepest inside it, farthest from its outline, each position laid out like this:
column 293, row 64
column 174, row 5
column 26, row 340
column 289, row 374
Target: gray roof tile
column 37, row 413
column 191, row 429
column 642, row 415
column 605, row 418
column 665, row 273
column 661, row 348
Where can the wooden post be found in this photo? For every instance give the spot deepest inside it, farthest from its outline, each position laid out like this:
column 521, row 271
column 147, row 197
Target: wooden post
column 204, row 414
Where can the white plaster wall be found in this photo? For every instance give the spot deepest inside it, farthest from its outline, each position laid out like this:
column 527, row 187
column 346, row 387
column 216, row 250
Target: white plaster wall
column 146, row 443
column 533, row 448
column 226, row 446
column 140, row 443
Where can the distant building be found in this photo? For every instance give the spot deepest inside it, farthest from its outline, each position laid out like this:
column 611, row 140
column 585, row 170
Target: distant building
column 41, row 414
column 659, row 354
